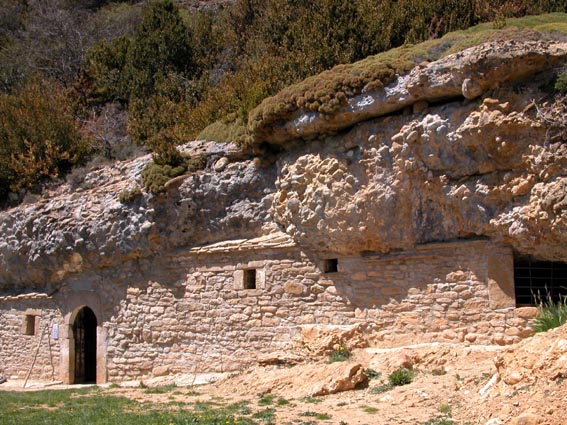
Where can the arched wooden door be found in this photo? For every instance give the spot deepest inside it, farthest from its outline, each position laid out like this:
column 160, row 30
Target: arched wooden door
column 84, row 334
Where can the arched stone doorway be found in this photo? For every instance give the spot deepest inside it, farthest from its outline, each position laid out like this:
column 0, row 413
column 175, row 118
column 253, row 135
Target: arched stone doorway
column 85, row 346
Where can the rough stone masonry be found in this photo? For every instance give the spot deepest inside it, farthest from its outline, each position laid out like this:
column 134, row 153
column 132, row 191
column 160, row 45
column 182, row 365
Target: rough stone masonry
column 405, row 222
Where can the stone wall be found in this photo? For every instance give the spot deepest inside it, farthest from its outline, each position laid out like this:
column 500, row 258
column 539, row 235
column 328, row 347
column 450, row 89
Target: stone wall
column 191, row 313
column 19, row 344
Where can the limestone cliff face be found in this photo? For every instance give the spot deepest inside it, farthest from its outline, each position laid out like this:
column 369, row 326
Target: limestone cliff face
column 85, row 228
column 480, row 169
column 466, row 154
column 483, row 162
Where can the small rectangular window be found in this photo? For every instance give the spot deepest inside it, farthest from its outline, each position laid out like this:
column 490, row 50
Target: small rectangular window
column 331, row 265
column 29, row 324
column 250, row 279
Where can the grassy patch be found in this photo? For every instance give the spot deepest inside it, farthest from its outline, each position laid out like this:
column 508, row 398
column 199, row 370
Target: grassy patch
column 316, row 415
column 550, row 315
column 311, row 400
column 370, row 410
column 381, row 388
column 160, row 390
column 339, row 354
column 240, row 408
column 372, row 374
column 92, row 406
column 328, row 91
column 266, row 399
column 267, row 416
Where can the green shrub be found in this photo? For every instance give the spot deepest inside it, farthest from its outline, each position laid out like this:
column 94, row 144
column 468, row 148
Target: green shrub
column 339, row 354
column 39, row 138
column 550, row 314
column 379, row 389
column 148, row 117
column 224, row 131
column 161, row 45
column 129, row 195
column 152, row 71
column 372, row 374
column 103, row 69
column 164, row 148
column 401, row 377
column 155, row 176
column 561, row 82
column 196, row 163
column 266, row 399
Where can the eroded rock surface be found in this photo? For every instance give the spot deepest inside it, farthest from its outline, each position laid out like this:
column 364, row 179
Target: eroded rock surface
column 457, row 170
column 541, row 357
column 467, row 74
column 86, row 227
column 472, row 158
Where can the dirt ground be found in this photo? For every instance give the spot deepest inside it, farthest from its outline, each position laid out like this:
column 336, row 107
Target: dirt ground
column 453, row 383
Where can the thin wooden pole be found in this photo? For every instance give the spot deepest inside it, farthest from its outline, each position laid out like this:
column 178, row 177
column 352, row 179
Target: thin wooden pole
column 35, row 355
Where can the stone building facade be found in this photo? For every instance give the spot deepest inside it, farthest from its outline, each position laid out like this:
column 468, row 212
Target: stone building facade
column 218, row 307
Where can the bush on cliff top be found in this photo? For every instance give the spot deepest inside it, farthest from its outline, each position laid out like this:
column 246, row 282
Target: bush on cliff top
column 156, row 174
column 176, row 71
column 326, row 92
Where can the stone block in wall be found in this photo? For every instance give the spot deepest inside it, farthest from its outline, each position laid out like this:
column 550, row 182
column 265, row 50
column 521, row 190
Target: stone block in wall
column 500, row 276
column 526, row 312
column 294, row 288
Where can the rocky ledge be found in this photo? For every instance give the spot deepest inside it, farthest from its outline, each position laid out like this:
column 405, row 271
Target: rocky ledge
column 466, row 74
column 470, row 146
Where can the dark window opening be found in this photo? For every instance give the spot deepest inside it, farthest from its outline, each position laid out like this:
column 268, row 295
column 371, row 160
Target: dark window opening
column 331, row 265
column 250, row 279
column 29, row 325
column 539, row 281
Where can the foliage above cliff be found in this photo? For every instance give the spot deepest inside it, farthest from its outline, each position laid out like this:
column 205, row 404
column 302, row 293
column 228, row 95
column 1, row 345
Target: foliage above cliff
column 324, row 93
column 39, row 138
column 174, row 69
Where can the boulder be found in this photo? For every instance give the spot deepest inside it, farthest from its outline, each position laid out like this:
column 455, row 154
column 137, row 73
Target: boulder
column 338, row 377
column 318, row 341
